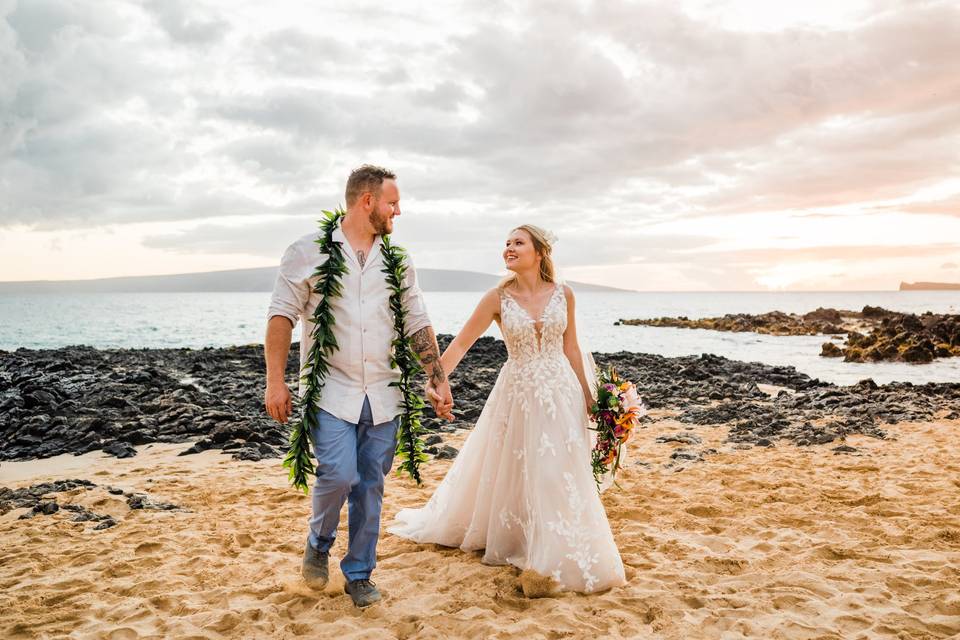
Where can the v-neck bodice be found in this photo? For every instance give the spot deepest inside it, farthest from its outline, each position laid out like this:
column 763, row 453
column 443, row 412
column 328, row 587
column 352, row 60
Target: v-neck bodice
column 520, row 331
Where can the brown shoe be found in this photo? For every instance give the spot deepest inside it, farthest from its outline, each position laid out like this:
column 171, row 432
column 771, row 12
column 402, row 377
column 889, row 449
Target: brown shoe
column 315, row 568
column 363, row 592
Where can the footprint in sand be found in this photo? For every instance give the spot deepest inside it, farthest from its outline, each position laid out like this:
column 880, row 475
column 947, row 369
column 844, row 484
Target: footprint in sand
column 701, row 511
column 244, row 539
column 123, row 633
column 302, row 629
column 147, row 548
column 833, row 552
column 949, row 536
column 226, row 622
column 162, row 603
column 71, row 584
column 728, row 566
column 850, row 624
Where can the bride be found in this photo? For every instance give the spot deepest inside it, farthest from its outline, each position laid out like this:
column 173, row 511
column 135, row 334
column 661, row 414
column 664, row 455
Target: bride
column 522, row 487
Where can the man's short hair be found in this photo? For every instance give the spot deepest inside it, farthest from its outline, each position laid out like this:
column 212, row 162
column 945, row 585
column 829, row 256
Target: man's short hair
column 367, row 177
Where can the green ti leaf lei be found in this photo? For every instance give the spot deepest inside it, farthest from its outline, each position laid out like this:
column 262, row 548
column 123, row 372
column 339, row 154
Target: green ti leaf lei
column 299, row 458
column 409, row 444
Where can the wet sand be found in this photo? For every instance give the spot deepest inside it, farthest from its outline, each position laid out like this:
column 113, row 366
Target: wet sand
column 786, row 542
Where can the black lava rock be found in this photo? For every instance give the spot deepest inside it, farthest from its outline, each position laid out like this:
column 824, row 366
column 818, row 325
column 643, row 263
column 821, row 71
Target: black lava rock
column 106, row 524
column 446, row 452
column 120, row 450
column 80, row 399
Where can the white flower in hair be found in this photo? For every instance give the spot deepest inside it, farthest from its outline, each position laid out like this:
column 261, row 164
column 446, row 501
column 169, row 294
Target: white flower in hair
column 550, row 237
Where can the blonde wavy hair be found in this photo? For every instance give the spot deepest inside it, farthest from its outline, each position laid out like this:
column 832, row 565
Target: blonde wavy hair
column 541, row 244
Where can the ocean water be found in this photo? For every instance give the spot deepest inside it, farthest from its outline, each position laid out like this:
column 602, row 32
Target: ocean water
column 133, row 320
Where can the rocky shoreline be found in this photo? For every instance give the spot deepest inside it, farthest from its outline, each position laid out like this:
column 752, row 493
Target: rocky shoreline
column 40, row 500
column 79, row 399
column 873, row 334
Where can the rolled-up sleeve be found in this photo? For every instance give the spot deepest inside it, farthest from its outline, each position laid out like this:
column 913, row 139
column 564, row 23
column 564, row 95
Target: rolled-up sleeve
column 292, row 288
column 414, row 306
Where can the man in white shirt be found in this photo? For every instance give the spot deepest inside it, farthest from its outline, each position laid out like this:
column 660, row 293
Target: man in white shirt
column 355, row 439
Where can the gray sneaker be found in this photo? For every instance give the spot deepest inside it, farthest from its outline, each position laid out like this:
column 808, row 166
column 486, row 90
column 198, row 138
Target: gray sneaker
column 363, row 592
column 315, row 570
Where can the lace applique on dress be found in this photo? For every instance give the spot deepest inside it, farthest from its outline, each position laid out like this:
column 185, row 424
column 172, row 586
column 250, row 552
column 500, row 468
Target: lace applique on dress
column 535, row 356
column 521, row 487
column 578, row 537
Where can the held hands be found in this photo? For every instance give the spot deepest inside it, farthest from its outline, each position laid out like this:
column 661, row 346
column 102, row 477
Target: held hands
column 278, row 401
column 441, row 398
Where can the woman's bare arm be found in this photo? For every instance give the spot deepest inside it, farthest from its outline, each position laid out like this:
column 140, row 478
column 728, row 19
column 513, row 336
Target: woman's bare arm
column 571, row 346
column 486, row 312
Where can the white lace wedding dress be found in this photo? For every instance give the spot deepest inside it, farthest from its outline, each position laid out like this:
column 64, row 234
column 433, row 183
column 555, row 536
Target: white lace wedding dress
column 522, row 488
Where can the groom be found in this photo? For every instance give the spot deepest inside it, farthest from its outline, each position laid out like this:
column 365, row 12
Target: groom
column 355, row 437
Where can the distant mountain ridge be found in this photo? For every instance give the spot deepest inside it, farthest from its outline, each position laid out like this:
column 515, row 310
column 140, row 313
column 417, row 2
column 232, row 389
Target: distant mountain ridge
column 248, row 280
column 929, row 286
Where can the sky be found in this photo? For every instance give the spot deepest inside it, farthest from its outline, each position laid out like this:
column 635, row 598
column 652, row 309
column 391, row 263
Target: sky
column 681, row 146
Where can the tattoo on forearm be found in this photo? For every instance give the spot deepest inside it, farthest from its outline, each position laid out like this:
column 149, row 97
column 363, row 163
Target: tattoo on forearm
column 361, row 257
column 425, row 344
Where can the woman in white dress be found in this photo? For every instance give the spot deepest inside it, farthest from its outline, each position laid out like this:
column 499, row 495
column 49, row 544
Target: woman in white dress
column 522, row 488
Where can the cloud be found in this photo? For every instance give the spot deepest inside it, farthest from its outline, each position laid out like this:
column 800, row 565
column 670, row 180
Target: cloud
column 946, row 206
column 596, row 117
column 431, row 236
column 186, row 24
column 266, row 239
column 849, row 253
column 295, row 53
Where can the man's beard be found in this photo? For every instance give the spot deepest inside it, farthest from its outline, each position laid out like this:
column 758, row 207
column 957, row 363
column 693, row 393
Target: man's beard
column 380, row 224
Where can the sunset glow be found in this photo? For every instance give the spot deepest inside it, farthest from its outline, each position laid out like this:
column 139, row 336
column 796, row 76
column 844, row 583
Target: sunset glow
column 696, row 146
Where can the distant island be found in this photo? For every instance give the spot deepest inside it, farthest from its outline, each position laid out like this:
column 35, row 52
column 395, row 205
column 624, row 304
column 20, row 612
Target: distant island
column 929, row 286
column 249, row 280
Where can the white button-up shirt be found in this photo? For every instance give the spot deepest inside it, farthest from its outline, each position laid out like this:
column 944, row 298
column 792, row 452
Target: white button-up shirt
column 363, row 329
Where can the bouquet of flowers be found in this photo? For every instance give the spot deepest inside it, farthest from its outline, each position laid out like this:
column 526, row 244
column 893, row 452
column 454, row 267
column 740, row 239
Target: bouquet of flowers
column 615, row 413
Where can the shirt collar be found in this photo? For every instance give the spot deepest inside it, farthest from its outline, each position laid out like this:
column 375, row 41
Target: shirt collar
column 339, row 236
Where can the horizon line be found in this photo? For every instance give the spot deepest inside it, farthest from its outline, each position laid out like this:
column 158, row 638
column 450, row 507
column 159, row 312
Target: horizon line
column 155, row 275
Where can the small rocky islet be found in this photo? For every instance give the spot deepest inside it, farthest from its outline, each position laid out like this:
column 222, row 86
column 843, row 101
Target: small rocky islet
column 873, row 334
column 80, row 399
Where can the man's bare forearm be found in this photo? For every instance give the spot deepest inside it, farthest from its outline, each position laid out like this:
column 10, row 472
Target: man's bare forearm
column 276, row 347
column 425, row 344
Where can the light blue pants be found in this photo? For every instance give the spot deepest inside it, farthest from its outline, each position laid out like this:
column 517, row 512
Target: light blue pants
column 352, row 462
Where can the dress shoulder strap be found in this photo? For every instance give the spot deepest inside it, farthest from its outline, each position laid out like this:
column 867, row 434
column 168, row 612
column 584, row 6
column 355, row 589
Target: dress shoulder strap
column 558, row 288
column 502, row 294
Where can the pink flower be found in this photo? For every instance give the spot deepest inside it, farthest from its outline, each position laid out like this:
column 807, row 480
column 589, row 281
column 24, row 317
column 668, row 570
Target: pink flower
column 631, row 399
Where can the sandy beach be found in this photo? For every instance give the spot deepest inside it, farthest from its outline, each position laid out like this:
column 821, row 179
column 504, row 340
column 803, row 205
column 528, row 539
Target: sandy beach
column 435, row 218
column 782, row 542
